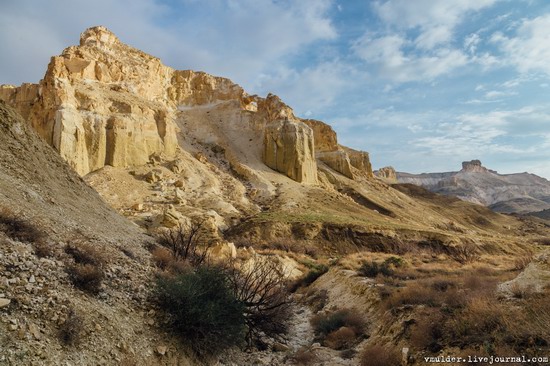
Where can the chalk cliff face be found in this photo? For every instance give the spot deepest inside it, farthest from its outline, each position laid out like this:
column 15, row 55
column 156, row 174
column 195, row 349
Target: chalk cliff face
column 104, row 103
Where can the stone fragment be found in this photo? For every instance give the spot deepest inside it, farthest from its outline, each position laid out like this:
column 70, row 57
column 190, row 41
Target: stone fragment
column 161, row 350
column 4, row 302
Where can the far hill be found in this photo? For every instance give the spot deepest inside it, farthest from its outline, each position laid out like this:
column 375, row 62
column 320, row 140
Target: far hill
column 506, row 193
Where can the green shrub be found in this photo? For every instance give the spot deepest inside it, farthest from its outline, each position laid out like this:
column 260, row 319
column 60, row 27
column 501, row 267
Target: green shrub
column 204, row 310
column 373, row 269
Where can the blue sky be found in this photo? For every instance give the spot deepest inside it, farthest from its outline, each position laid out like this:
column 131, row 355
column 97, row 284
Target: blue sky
column 421, row 84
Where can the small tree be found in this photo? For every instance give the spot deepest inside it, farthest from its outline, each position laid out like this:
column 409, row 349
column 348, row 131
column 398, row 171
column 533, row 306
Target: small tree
column 204, row 309
column 261, row 287
column 185, row 243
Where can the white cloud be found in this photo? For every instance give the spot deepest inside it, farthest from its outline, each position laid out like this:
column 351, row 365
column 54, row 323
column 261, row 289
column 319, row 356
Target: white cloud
column 436, row 19
column 471, row 42
column 528, row 50
column 388, row 55
column 236, row 39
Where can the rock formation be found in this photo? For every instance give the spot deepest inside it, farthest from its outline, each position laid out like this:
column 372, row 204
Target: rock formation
column 387, row 173
column 473, row 166
column 105, row 103
column 288, row 148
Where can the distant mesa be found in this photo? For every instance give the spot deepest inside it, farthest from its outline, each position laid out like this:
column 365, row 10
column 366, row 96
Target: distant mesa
column 507, row 193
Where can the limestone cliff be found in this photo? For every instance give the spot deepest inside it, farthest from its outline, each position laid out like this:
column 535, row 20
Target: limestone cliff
column 104, row 103
column 288, row 148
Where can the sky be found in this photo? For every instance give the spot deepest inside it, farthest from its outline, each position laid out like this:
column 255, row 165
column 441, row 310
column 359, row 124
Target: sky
column 422, row 85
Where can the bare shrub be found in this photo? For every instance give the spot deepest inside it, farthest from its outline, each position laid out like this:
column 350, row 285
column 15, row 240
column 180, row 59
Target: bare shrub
column 162, row 257
column 304, row 356
column 71, row 330
column 185, row 243
column 87, row 272
column 87, row 277
column 262, row 288
column 43, row 249
column 378, row 355
column 464, row 253
column 85, row 253
column 428, row 331
column 341, row 338
column 18, row 228
column 373, row 269
column 324, row 324
column 478, row 322
column 414, row 294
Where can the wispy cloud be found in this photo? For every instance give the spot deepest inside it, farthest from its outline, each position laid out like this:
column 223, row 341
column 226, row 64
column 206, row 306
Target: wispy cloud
column 528, row 48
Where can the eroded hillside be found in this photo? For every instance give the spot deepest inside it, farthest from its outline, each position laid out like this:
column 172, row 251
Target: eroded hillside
column 167, row 148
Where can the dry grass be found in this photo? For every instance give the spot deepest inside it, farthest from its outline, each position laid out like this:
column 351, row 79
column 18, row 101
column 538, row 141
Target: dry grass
column 339, row 329
column 522, row 262
column 87, row 272
column 342, row 338
column 87, row 277
column 85, row 253
column 378, row 355
column 305, row 357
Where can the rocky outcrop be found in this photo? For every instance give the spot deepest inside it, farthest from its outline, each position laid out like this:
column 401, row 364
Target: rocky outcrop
column 360, row 160
column 288, row 148
column 105, row 103
column 337, row 160
column 473, row 166
column 324, row 135
column 387, row 173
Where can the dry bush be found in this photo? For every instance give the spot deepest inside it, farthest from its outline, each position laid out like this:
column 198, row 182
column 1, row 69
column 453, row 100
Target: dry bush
column 416, row 293
column 85, row 253
column 341, row 338
column 428, row 331
column 70, row 331
column 43, row 249
column 324, row 324
column 378, row 355
column 480, row 322
column 17, row 228
column 87, row 277
column 464, row 253
column 186, row 243
column 262, row 288
column 162, row 257
column 373, row 269
column 87, row 272
column 304, row 356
